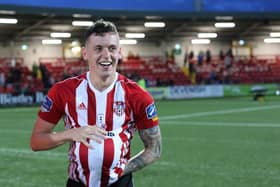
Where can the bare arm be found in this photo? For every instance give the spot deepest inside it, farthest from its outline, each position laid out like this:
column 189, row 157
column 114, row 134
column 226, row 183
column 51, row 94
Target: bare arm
column 43, row 137
column 151, row 139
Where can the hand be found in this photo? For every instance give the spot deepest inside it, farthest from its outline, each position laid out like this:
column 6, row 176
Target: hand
column 84, row 133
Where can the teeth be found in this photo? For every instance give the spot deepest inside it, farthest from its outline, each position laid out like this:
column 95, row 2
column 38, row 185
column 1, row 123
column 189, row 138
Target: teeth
column 105, row 63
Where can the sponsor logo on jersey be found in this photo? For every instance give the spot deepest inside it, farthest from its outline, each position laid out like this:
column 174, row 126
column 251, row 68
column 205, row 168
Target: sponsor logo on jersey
column 110, row 134
column 82, row 106
column 151, row 112
column 46, row 104
column 119, row 108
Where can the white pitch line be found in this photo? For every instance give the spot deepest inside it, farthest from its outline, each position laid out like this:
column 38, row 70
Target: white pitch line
column 27, row 109
column 234, row 124
column 30, row 154
column 52, row 155
column 199, row 114
column 16, row 181
column 7, row 131
column 20, row 182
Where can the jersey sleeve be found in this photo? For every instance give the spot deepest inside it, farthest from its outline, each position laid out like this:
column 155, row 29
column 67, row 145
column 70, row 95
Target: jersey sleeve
column 145, row 111
column 52, row 107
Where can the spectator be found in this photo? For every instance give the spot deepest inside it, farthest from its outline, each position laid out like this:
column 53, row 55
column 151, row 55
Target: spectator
column 45, row 75
column 34, row 70
column 2, row 79
column 221, row 55
column 142, row 83
column 186, row 58
column 228, row 59
column 192, row 68
column 200, row 58
column 208, row 56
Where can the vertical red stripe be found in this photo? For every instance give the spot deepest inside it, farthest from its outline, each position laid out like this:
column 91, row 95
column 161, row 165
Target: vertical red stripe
column 109, row 110
column 73, row 113
column 84, row 153
column 127, row 105
column 83, row 149
column 108, row 158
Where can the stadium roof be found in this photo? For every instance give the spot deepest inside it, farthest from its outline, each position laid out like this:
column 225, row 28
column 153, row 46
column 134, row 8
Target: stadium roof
column 37, row 25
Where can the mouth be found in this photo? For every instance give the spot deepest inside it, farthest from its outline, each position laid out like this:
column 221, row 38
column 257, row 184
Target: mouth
column 105, row 63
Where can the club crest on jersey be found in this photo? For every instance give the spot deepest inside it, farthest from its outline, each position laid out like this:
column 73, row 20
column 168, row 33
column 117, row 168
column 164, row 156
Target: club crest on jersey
column 151, row 111
column 46, row 104
column 119, row 108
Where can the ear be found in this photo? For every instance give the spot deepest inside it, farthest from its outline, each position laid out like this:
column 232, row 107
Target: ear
column 84, row 53
column 120, row 53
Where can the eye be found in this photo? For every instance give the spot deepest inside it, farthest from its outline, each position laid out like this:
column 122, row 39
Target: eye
column 112, row 48
column 98, row 48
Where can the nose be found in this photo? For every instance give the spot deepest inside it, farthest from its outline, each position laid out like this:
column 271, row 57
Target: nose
column 106, row 53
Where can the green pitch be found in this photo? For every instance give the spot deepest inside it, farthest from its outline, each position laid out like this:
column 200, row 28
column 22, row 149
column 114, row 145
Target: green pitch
column 206, row 143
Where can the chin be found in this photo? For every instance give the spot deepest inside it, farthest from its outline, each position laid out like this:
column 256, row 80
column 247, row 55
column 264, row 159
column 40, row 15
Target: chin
column 107, row 74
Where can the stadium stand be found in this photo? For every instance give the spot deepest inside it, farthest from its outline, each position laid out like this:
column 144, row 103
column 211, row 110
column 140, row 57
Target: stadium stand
column 155, row 70
column 242, row 71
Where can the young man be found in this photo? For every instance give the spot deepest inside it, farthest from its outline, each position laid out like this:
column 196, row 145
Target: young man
column 101, row 111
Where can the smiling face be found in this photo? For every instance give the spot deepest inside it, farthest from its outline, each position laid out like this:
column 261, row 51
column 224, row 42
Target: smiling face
column 102, row 51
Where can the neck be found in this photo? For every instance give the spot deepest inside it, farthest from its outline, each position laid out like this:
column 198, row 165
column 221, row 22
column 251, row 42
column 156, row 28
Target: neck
column 101, row 83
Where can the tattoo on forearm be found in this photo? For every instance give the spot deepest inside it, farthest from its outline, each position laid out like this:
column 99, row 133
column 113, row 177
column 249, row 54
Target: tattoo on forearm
column 152, row 139
column 152, row 142
column 134, row 164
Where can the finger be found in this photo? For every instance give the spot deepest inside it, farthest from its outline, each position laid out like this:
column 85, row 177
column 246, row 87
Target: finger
column 98, row 129
column 96, row 138
column 102, row 131
column 99, row 132
column 87, row 144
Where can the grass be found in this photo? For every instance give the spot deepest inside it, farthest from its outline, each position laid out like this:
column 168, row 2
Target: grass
column 206, row 143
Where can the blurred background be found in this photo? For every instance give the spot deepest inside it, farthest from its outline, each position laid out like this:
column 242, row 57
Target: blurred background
column 213, row 67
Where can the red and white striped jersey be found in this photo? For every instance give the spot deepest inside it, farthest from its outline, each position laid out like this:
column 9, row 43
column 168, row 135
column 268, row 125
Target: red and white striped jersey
column 120, row 109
